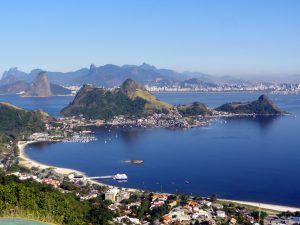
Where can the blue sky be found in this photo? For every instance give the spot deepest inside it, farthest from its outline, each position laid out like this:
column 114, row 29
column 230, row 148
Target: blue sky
column 232, row 37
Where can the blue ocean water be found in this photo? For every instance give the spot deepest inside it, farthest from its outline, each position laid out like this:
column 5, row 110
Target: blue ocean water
column 253, row 159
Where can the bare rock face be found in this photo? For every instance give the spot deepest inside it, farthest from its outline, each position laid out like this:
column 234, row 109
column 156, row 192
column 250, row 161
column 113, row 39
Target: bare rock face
column 40, row 87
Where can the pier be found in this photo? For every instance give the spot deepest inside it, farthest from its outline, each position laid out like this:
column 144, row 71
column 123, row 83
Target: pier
column 118, row 176
column 100, row 177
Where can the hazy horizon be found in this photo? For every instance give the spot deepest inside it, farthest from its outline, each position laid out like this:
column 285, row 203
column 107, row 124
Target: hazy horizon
column 246, row 77
column 236, row 38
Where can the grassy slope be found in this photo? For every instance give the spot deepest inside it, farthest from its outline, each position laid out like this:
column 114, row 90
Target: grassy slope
column 130, row 100
column 152, row 102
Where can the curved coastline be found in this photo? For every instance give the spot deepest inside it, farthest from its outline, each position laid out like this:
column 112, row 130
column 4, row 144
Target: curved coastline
column 27, row 162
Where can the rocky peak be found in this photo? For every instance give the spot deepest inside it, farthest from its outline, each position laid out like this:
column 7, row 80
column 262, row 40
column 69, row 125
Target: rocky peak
column 92, row 67
column 146, row 66
column 264, row 98
column 40, row 87
column 129, row 87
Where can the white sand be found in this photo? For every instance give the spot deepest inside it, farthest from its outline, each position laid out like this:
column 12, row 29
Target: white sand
column 27, row 162
column 272, row 207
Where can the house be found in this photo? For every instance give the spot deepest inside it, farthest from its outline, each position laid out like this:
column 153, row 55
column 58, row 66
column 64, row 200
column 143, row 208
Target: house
column 122, row 195
column 217, row 206
column 121, row 219
column 89, row 196
column 166, row 219
column 52, row 182
column 111, row 194
column 221, row 214
column 173, row 203
column 232, row 221
column 115, row 195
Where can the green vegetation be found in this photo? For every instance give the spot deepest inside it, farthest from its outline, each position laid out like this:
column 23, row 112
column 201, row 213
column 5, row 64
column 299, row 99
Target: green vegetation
column 29, row 199
column 195, row 109
column 262, row 106
column 16, row 122
column 130, row 99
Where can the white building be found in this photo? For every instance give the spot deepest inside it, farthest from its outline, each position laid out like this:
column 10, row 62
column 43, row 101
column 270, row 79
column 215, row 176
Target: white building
column 221, row 214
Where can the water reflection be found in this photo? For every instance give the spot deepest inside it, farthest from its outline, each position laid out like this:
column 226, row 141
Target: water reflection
column 264, row 122
column 128, row 135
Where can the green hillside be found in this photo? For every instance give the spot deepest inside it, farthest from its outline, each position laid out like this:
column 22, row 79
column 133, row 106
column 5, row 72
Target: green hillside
column 131, row 99
column 195, row 109
column 262, row 106
column 16, row 122
column 30, row 199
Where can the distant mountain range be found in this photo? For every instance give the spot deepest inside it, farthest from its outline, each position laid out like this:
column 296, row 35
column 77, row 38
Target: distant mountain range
column 111, row 76
column 14, row 83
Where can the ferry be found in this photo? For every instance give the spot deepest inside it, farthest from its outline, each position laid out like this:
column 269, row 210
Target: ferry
column 120, row 176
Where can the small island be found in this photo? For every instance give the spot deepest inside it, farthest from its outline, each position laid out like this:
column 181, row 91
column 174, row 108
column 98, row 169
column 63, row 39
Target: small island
column 262, row 106
column 134, row 161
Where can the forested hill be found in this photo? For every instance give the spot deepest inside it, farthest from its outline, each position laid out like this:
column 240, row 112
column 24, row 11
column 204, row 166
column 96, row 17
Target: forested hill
column 131, row 99
column 262, row 106
column 30, row 199
column 16, row 122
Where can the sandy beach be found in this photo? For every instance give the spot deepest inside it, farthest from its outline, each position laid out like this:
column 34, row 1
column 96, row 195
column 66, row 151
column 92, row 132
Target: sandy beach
column 27, row 162
column 279, row 208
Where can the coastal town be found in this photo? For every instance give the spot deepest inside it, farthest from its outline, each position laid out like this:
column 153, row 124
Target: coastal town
column 145, row 207
column 133, row 206
column 272, row 88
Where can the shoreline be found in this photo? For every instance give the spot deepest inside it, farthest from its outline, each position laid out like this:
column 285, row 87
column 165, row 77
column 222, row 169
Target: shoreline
column 25, row 161
column 266, row 206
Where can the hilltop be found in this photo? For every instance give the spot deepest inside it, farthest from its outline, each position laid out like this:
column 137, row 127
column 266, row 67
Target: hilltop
column 16, row 122
column 131, row 99
column 41, row 87
column 194, row 109
column 262, row 106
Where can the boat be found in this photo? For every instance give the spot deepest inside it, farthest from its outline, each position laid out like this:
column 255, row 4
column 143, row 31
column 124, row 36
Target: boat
column 120, row 176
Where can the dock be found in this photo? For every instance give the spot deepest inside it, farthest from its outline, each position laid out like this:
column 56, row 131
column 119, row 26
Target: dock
column 100, row 178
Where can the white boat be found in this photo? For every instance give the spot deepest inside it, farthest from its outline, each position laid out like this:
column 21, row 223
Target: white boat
column 120, row 176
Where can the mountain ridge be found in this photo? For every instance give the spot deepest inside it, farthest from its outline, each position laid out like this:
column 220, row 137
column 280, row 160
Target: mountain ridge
column 131, row 99
column 110, row 75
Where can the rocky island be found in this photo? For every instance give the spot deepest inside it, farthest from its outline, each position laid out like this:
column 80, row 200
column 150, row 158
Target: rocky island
column 262, row 106
column 133, row 105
